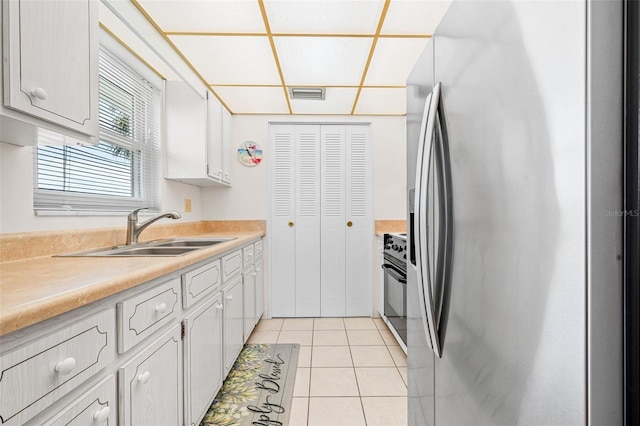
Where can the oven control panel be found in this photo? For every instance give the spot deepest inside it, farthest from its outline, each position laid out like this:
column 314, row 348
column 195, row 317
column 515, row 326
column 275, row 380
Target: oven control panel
column 396, row 245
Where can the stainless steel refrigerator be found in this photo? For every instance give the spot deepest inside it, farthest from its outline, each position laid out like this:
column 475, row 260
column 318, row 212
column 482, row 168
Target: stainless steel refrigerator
column 514, row 163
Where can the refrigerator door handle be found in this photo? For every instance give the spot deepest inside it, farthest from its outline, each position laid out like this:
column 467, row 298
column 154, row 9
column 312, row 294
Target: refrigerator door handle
column 423, row 266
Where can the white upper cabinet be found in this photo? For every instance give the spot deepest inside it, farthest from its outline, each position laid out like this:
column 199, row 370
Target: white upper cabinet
column 49, row 71
column 195, row 149
column 227, row 150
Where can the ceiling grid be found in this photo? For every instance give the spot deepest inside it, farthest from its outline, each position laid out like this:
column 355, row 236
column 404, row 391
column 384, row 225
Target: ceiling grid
column 249, row 53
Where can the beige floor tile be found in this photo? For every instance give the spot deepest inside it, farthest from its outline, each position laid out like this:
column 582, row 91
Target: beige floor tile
column 263, row 336
column 333, row 356
column 398, row 355
column 403, row 373
column 299, row 412
column 270, row 324
column 380, row 381
column 388, row 338
column 334, row 382
column 335, row 412
column 304, row 358
column 328, row 324
column 303, row 337
column 380, row 323
column 301, row 387
column 330, row 338
column 298, row 324
column 363, row 323
column 371, row 356
column 385, row 411
column 364, row 337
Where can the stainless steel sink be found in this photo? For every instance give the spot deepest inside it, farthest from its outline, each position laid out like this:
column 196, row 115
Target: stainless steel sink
column 169, row 247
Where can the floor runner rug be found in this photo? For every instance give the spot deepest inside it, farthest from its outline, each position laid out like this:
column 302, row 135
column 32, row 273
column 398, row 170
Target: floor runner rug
column 258, row 389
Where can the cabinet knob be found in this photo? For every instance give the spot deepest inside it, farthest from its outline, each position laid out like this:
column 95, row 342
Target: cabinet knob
column 290, row 224
column 66, row 366
column 161, row 308
column 229, row 297
column 349, row 224
column 102, row 415
column 144, row 377
column 219, row 306
column 253, row 274
column 39, row 93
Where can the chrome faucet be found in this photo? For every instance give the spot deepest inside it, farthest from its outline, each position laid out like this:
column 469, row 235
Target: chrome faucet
column 134, row 228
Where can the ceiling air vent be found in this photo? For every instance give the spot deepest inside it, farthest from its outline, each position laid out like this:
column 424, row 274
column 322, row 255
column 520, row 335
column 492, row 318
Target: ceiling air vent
column 313, row 93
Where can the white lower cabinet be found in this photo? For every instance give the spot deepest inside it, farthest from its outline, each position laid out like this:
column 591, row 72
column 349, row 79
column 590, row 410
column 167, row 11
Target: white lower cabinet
column 151, row 384
column 202, row 358
column 96, row 407
column 249, row 287
column 233, row 323
column 154, row 355
column 259, row 288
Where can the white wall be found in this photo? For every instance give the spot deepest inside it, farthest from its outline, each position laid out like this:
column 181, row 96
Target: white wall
column 16, row 199
column 247, row 199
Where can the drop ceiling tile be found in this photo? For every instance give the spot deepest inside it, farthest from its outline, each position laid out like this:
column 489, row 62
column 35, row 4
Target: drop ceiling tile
column 414, row 17
column 230, row 60
column 324, row 17
column 253, row 100
column 381, row 101
column 393, row 60
column 338, row 100
column 324, row 61
column 206, row 15
column 132, row 41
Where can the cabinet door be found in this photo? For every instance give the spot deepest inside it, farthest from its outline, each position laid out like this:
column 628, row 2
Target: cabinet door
column 333, row 222
column 282, row 235
column 51, row 49
column 249, row 300
column 202, row 358
column 214, row 137
column 185, row 147
column 259, row 289
column 227, row 146
column 359, row 230
column 151, row 384
column 233, row 322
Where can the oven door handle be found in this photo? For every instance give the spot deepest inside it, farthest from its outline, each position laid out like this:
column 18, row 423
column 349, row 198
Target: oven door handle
column 395, row 273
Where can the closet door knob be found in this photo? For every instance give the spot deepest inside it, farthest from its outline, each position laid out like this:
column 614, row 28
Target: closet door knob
column 349, row 224
column 290, row 224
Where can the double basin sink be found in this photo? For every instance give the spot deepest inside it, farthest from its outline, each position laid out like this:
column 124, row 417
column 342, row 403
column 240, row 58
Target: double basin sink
column 168, row 247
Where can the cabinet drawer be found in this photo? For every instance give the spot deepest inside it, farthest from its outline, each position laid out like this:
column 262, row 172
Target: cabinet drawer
column 38, row 374
column 96, row 407
column 258, row 250
column 247, row 255
column 142, row 315
column 199, row 282
column 231, row 264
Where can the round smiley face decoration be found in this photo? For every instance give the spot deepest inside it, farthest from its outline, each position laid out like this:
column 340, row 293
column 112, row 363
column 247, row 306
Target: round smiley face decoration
column 249, row 153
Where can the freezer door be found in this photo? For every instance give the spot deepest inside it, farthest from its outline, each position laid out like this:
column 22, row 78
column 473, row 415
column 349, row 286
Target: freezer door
column 515, row 110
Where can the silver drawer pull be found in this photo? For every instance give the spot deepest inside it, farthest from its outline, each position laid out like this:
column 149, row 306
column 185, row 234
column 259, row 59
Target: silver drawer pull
column 161, row 308
column 219, row 306
column 144, row 377
column 102, row 415
column 66, row 366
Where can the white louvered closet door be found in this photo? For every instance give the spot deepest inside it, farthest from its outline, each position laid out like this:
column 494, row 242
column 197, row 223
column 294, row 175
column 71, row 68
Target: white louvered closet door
column 333, row 192
column 282, row 227
column 307, row 221
column 359, row 216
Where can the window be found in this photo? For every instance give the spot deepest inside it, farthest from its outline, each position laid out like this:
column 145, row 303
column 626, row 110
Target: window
column 122, row 171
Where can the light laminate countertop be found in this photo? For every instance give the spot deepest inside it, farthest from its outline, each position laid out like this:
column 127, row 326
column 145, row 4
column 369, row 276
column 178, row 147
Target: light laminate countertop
column 37, row 289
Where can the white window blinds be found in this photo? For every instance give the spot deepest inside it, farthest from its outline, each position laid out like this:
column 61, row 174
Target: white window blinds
column 122, row 171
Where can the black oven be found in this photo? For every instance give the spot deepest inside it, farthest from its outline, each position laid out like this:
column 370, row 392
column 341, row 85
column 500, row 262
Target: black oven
column 395, row 284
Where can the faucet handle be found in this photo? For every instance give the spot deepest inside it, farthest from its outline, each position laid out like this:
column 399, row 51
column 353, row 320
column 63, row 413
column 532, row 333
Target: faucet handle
column 134, row 214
